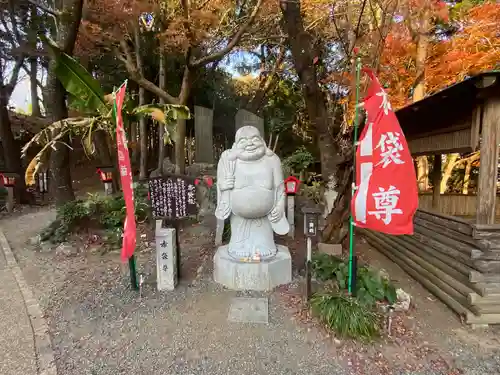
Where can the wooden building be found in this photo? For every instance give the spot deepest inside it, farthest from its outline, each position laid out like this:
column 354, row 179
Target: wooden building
column 457, row 259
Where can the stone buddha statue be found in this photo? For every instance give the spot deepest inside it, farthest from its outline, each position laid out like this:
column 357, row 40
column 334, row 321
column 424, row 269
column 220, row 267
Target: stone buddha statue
column 250, row 191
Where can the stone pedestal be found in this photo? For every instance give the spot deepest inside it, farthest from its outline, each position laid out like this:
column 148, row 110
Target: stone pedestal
column 262, row 276
column 108, row 188
column 10, row 199
column 166, row 257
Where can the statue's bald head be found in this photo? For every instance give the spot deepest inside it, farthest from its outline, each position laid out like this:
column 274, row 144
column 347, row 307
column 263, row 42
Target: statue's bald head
column 249, row 143
column 247, row 132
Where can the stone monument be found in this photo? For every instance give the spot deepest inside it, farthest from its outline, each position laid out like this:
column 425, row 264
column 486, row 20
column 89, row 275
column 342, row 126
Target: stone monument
column 251, row 192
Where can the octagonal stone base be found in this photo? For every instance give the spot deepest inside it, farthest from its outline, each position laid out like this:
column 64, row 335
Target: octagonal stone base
column 262, row 276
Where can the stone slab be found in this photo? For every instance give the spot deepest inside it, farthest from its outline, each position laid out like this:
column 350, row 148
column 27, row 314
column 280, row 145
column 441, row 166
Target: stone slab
column 247, row 118
column 262, row 276
column 203, row 132
column 330, row 249
column 249, row 310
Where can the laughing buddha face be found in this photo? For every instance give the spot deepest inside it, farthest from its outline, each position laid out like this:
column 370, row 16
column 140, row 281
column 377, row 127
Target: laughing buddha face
column 249, row 144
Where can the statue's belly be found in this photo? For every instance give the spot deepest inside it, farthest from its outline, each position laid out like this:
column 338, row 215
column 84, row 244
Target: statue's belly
column 252, row 202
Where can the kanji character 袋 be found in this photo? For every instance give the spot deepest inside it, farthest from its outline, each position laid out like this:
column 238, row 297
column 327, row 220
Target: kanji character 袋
column 386, row 202
column 390, row 146
column 385, row 105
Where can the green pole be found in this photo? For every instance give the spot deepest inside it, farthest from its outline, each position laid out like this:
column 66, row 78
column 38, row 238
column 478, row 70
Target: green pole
column 133, row 273
column 131, row 260
column 355, row 140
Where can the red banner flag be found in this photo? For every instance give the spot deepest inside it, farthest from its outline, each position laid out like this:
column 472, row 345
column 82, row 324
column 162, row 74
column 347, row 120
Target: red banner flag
column 129, row 228
column 386, row 195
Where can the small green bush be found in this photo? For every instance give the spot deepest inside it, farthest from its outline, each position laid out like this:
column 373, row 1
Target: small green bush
column 346, row 316
column 97, row 211
column 370, row 287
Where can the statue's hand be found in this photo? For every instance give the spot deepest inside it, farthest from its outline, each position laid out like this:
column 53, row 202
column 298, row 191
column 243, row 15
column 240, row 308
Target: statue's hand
column 275, row 215
column 227, row 184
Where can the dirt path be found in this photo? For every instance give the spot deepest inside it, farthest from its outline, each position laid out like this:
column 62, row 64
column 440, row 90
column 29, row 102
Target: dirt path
column 99, row 326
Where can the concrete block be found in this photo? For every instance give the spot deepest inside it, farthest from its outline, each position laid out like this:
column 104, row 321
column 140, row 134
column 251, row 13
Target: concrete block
column 330, row 249
column 262, row 276
column 249, row 310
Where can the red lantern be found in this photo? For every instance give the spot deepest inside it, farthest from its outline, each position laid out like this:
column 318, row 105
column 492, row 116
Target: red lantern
column 292, row 185
column 8, row 179
column 105, row 173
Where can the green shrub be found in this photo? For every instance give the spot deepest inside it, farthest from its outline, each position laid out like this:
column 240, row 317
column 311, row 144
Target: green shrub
column 370, row 286
column 97, row 211
column 346, row 316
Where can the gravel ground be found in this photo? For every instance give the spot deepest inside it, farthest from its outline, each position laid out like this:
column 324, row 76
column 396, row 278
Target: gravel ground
column 99, row 326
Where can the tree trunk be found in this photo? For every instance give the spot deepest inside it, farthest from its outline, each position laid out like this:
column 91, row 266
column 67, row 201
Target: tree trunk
column 465, row 187
column 419, row 90
column 161, row 128
column 423, row 173
column 180, row 143
column 448, row 169
column 35, row 102
column 143, row 130
column 436, row 181
column 59, row 164
column 61, row 187
column 301, row 44
column 33, row 60
column 133, row 138
column 11, row 151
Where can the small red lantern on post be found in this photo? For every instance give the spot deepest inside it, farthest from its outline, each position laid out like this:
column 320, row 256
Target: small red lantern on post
column 9, row 181
column 106, row 175
column 291, row 185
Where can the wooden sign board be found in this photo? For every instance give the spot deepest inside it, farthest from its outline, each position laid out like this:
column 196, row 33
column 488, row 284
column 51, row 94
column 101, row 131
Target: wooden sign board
column 173, row 197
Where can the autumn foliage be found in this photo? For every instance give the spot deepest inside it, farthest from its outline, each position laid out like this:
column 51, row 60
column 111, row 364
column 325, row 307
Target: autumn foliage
column 473, row 48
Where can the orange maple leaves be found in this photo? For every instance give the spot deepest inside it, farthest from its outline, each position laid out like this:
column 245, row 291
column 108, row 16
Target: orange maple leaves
column 474, row 48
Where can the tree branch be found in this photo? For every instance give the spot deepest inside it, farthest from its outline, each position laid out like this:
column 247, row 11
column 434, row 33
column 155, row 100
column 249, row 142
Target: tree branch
column 126, row 57
column 266, row 84
column 234, row 41
column 14, row 76
column 70, row 40
column 50, row 11
column 13, row 21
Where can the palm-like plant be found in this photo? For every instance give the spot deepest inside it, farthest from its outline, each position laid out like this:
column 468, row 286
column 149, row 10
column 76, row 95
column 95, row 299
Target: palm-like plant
column 97, row 111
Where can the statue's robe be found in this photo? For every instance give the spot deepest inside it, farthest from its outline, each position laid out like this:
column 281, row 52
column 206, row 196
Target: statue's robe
column 258, row 191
